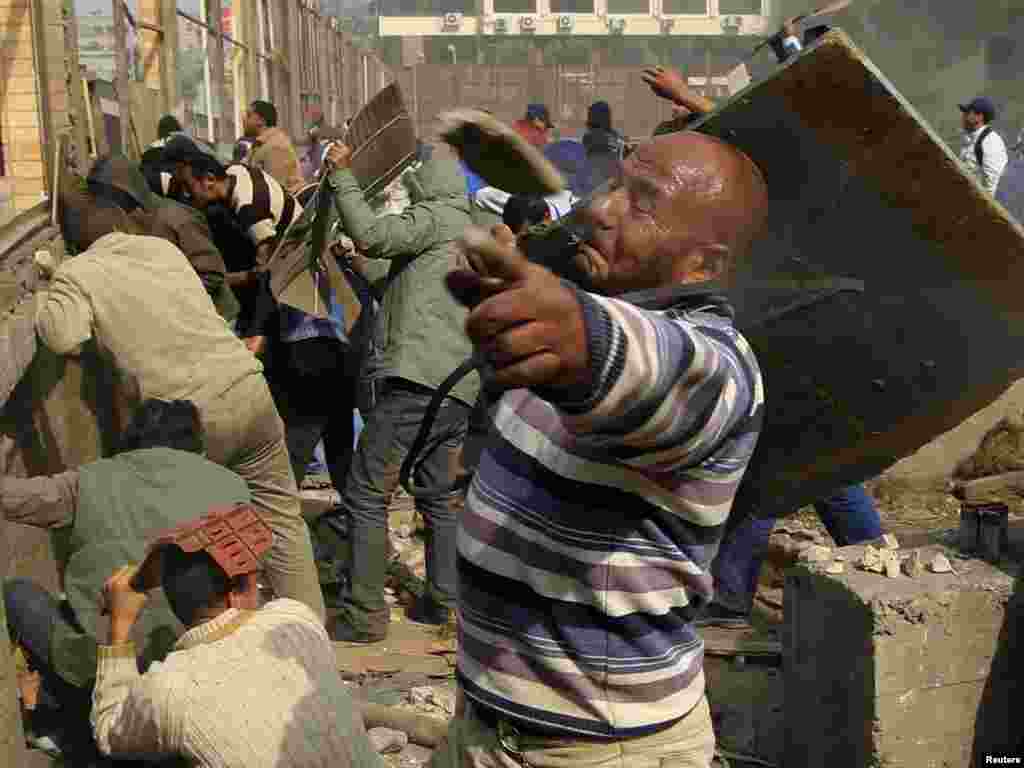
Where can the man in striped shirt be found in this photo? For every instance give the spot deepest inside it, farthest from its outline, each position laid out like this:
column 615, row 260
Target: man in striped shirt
column 262, row 209
column 622, row 436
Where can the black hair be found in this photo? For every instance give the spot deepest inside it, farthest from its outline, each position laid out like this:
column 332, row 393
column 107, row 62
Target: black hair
column 192, row 582
column 600, row 115
column 164, row 424
column 182, row 149
column 168, row 124
column 266, row 110
column 118, row 197
column 524, row 209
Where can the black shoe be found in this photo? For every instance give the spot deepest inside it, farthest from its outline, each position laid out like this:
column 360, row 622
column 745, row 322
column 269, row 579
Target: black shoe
column 716, row 615
column 341, row 631
column 426, row 611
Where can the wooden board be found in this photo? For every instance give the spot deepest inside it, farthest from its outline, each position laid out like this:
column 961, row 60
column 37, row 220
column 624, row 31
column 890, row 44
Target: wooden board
column 739, row 642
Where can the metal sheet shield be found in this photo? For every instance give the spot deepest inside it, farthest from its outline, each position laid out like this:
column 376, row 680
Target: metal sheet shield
column 885, row 302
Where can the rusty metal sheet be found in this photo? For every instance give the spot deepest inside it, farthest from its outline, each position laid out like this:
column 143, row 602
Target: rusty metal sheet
column 885, row 303
column 383, row 140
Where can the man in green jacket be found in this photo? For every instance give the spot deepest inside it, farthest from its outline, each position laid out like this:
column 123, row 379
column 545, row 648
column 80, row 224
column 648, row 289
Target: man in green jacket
column 101, row 515
column 420, row 339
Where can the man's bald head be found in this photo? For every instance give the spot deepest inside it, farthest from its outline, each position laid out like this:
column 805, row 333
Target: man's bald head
column 687, row 207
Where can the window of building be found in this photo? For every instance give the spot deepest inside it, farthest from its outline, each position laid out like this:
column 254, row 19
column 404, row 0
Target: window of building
column 740, row 7
column 689, row 7
column 572, row 6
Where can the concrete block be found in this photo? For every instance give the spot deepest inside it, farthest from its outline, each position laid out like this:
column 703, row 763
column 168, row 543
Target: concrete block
column 903, row 664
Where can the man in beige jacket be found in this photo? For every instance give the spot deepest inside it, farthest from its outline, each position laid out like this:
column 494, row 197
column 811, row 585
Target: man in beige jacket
column 142, row 302
column 272, row 151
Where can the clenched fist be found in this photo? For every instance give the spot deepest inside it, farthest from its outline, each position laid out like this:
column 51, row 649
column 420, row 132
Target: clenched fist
column 524, row 320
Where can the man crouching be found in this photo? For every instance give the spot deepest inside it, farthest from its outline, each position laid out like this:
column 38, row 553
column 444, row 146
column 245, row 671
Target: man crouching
column 246, row 687
column 595, row 510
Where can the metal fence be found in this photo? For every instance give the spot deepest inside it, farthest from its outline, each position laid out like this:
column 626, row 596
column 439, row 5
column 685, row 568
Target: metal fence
column 205, row 61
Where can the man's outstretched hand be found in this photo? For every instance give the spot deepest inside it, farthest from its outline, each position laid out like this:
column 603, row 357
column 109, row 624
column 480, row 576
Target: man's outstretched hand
column 523, row 320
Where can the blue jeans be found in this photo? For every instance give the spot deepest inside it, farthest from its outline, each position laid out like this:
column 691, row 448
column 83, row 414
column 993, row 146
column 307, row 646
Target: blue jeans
column 849, row 515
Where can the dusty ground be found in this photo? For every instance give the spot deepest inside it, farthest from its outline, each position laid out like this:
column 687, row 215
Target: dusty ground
column 414, row 669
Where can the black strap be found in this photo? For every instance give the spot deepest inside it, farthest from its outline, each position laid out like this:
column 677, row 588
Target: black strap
column 979, row 153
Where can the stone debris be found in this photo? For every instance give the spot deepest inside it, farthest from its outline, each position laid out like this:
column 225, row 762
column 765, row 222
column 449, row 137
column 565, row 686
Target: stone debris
column 940, row 564
column 871, row 560
column 892, row 567
column 386, row 741
column 420, row 696
column 839, row 558
column 816, row 554
column 913, row 566
column 807, row 534
column 889, row 541
column 403, row 531
column 836, row 567
column 428, row 698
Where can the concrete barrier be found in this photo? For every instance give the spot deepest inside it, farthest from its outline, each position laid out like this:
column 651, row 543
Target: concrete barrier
column 892, row 672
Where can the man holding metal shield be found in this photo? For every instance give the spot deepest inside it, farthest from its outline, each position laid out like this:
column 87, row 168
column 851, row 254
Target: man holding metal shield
column 421, row 341
column 621, row 439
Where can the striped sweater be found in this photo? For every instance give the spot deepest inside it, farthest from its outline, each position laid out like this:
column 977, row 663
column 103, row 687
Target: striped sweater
column 585, row 545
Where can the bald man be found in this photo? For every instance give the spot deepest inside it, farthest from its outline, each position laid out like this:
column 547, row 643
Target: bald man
column 619, row 443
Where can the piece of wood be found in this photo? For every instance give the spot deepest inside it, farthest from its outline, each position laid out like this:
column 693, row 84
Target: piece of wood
column 421, row 729
column 735, row 642
column 983, row 487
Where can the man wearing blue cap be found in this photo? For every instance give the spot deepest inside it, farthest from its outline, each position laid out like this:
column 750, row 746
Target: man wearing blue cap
column 982, row 151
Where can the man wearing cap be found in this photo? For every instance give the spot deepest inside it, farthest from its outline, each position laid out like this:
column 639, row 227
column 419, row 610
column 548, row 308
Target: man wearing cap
column 536, row 126
column 982, row 150
column 245, row 687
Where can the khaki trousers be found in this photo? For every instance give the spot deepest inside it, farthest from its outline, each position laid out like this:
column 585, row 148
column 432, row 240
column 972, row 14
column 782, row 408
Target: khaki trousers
column 244, row 432
column 471, row 743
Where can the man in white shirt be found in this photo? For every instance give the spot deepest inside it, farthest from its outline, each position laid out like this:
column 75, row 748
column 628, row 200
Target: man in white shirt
column 982, row 151
column 245, row 687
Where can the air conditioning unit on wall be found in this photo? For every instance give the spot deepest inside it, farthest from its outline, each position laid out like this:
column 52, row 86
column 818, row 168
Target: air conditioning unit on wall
column 528, row 24
column 732, row 24
column 565, row 23
column 452, row 22
column 616, row 26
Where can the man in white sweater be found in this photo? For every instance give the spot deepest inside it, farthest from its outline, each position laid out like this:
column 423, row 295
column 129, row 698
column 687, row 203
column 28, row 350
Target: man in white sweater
column 246, row 687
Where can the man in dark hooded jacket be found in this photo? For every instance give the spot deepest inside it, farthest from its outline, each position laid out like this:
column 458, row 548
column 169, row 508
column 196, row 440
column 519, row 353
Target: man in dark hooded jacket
column 117, row 179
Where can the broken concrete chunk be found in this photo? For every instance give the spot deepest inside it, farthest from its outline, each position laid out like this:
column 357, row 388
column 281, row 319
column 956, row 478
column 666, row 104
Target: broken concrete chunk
column 816, row 554
column 892, row 568
column 913, row 566
column 871, row 560
column 889, row 541
column 385, row 740
column 940, row 564
column 836, row 567
column 420, row 696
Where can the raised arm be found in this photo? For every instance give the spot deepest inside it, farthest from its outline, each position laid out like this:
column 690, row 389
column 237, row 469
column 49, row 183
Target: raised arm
column 64, row 318
column 384, row 237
